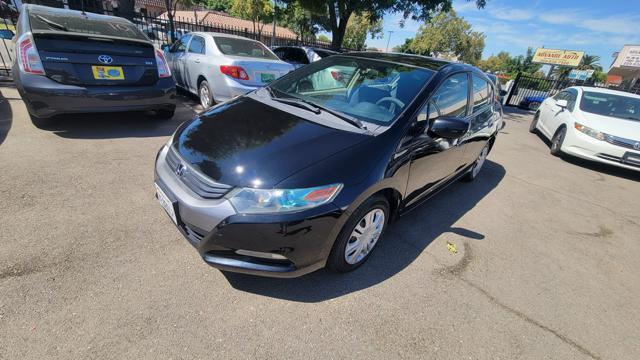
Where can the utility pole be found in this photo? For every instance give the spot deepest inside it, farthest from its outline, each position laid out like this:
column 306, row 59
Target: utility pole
column 389, row 39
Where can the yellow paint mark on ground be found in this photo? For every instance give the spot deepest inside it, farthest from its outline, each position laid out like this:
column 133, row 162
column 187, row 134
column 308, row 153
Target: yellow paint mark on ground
column 452, row 248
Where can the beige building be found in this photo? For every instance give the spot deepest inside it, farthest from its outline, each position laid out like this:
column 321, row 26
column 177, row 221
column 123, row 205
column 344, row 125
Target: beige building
column 625, row 68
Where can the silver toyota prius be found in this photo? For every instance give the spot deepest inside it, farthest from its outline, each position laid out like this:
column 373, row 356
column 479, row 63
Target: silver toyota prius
column 218, row 67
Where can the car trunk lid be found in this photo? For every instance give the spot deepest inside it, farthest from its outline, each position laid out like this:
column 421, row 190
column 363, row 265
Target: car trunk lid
column 261, row 71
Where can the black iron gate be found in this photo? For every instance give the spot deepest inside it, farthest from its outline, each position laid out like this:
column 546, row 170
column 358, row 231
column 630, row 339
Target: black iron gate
column 529, row 91
column 7, row 32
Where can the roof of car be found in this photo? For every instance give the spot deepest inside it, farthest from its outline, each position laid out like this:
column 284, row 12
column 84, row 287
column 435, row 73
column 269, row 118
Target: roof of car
column 408, row 59
column 217, row 34
column 606, row 91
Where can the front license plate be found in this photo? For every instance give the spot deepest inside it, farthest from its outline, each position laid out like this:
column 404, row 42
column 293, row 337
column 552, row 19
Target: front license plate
column 107, row 72
column 166, row 204
column 267, row 77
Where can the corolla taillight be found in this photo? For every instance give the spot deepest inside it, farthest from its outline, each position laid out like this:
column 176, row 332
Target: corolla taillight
column 236, row 72
column 163, row 67
column 28, row 57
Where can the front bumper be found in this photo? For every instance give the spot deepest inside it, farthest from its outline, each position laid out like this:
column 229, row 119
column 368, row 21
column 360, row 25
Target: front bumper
column 45, row 97
column 301, row 241
column 583, row 146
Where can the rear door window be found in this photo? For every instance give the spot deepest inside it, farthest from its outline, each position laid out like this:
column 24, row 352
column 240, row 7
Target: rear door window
column 197, row 45
column 481, row 93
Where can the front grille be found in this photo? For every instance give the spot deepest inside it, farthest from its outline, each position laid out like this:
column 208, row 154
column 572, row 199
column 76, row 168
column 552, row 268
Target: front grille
column 628, row 161
column 622, row 142
column 198, row 183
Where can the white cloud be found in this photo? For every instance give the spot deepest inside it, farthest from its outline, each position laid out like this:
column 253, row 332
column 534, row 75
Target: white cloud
column 464, row 6
column 511, row 14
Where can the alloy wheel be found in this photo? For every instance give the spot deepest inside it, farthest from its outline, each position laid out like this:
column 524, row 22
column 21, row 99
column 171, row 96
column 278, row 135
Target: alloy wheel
column 205, row 98
column 480, row 161
column 364, row 236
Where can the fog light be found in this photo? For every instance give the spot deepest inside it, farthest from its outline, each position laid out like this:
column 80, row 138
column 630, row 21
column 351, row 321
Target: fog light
column 261, row 254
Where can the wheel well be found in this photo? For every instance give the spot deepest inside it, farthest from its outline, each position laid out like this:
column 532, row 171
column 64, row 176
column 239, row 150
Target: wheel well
column 560, row 127
column 200, row 80
column 394, row 198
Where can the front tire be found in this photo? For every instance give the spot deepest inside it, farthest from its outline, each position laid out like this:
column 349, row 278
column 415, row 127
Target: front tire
column 533, row 127
column 164, row 114
column 205, row 94
column 359, row 236
column 557, row 141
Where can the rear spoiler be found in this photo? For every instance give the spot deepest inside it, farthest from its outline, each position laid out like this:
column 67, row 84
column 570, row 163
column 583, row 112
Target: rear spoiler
column 95, row 36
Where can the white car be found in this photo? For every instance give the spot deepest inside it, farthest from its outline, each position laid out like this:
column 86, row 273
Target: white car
column 592, row 123
column 6, row 49
column 218, row 67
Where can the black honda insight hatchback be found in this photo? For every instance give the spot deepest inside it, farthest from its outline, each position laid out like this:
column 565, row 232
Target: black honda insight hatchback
column 308, row 171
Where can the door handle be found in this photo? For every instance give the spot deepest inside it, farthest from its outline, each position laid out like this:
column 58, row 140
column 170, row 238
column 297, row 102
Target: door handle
column 197, row 61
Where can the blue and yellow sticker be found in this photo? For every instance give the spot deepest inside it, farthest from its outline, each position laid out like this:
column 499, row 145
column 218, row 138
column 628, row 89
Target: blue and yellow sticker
column 107, row 72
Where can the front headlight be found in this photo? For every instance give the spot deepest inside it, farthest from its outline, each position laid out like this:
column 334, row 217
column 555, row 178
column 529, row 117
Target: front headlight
column 589, row 131
column 264, row 201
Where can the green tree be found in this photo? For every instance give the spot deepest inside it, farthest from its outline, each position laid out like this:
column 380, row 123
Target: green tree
column 219, row 5
column 590, row 62
column 496, row 63
column 404, row 48
column 259, row 12
column 300, row 20
column 324, row 38
column 449, row 36
column 334, row 15
column 355, row 36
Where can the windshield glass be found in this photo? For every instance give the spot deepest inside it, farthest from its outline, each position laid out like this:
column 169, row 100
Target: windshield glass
column 620, row 106
column 369, row 90
column 241, row 47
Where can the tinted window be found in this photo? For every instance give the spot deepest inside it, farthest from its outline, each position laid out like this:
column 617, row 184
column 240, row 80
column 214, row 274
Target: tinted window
column 242, row 47
column 61, row 20
column 452, row 97
column 197, row 45
column 324, row 53
column 369, row 90
column 480, row 92
column 620, row 106
column 180, row 45
column 295, row 55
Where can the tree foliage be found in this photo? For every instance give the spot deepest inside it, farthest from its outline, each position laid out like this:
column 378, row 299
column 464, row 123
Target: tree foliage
column 219, row 5
column 503, row 63
column 259, row 12
column 358, row 28
column 335, row 14
column 324, row 38
column 299, row 19
column 448, row 36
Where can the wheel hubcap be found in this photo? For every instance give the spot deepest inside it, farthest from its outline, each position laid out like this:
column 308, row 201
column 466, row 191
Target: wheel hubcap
column 364, row 236
column 204, row 96
column 480, row 161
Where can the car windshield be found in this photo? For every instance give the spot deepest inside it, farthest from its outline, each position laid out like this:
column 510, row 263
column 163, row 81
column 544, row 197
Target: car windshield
column 369, row 90
column 619, row 106
column 241, row 47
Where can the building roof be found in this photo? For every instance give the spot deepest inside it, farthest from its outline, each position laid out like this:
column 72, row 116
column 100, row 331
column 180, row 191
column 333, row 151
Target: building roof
column 213, row 18
column 154, row 3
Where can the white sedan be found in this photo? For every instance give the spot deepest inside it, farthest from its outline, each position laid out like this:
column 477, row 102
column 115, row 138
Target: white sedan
column 592, row 123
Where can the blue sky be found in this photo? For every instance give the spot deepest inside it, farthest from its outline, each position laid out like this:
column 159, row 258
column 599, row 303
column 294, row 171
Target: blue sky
column 594, row 26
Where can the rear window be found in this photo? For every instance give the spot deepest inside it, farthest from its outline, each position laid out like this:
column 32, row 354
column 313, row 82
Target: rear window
column 62, row 20
column 242, row 47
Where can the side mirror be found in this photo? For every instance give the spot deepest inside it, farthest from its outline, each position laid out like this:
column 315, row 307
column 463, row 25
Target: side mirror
column 449, row 127
column 562, row 103
column 165, row 48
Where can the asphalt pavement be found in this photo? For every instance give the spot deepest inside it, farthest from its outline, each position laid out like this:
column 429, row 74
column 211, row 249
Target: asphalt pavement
column 537, row 259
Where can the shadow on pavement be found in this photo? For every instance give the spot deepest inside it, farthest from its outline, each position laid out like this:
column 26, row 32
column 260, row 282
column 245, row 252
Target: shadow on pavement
column 403, row 242
column 6, row 118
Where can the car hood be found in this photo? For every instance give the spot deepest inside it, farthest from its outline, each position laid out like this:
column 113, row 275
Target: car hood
column 247, row 143
column 628, row 129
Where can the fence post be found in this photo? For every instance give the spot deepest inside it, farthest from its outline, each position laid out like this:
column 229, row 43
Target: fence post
column 513, row 87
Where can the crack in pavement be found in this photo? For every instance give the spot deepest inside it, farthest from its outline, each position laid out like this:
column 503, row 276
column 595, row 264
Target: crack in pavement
column 458, row 269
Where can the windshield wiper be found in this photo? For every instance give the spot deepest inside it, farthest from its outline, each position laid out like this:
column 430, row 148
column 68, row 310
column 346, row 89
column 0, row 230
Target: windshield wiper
column 51, row 23
column 315, row 108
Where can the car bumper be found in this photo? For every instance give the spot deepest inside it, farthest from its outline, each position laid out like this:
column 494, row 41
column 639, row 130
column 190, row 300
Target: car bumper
column 284, row 245
column 231, row 89
column 45, row 97
column 585, row 147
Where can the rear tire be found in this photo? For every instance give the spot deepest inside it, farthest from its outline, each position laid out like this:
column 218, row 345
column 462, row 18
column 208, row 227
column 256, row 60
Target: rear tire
column 533, row 127
column 165, row 114
column 557, row 141
column 477, row 165
column 370, row 221
column 205, row 94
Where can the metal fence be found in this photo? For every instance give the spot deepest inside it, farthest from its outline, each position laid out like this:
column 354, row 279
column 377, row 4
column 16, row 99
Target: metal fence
column 528, row 91
column 157, row 30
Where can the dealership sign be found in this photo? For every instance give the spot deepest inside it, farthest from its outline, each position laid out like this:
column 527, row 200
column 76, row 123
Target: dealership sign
column 632, row 57
column 580, row 74
column 558, row 57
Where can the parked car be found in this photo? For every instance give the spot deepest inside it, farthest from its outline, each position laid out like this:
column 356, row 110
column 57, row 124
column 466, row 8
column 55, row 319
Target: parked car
column 294, row 176
column 6, row 49
column 500, row 93
column 73, row 62
column 531, row 102
column 592, row 123
column 218, row 67
column 299, row 56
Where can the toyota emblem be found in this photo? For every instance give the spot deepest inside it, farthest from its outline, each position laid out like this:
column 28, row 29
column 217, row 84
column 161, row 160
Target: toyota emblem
column 636, row 146
column 105, row 59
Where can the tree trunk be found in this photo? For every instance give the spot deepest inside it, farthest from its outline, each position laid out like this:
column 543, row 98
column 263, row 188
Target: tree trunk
column 338, row 28
column 169, row 5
